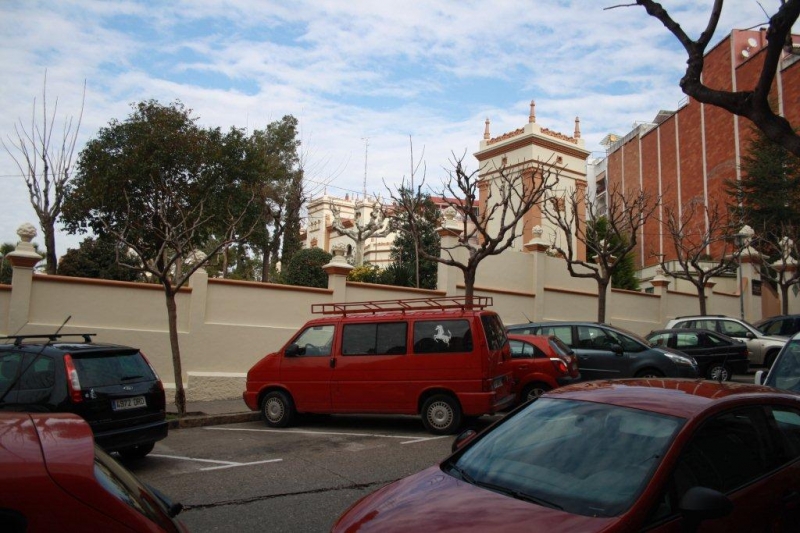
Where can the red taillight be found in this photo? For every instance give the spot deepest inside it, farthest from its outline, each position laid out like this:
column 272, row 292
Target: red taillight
column 559, row 365
column 73, row 383
column 160, row 385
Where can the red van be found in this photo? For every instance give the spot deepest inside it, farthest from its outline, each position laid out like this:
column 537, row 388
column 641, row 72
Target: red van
column 437, row 357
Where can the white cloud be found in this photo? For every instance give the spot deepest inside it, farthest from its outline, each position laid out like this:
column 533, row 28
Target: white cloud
column 348, row 70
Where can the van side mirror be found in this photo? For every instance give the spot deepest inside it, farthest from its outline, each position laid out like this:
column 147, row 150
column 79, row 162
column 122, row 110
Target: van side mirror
column 701, row 503
column 292, row 350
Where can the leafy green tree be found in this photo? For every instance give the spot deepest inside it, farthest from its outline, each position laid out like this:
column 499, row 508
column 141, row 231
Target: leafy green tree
column 366, row 273
column 305, row 268
column 768, row 194
column 158, row 184
column 410, row 267
column 97, row 258
column 624, row 276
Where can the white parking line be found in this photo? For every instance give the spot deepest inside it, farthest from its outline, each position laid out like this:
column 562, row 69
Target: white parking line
column 413, row 440
column 225, row 464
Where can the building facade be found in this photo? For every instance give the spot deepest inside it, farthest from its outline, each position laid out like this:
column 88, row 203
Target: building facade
column 686, row 156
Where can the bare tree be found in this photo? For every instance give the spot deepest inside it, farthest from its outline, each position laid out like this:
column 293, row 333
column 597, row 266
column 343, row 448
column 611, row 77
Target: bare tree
column 488, row 226
column 45, row 166
column 784, row 271
column 752, row 104
column 625, row 214
column 705, row 247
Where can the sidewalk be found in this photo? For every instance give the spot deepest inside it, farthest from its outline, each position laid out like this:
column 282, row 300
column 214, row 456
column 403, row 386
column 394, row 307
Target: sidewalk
column 210, row 413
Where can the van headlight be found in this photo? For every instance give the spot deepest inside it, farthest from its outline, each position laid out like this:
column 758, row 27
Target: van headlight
column 681, row 360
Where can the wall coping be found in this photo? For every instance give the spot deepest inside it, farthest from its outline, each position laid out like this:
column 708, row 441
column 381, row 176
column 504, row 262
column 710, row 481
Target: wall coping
column 271, row 286
column 635, row 293
column 498, row 291
column 104, row 282
column 570, row 291
column 395, row 288
column 5, row 287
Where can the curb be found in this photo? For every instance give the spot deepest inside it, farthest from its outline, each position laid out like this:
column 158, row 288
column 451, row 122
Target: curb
column 200, row 420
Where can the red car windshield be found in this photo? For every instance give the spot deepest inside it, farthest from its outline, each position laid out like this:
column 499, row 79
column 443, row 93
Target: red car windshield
column 585, row 458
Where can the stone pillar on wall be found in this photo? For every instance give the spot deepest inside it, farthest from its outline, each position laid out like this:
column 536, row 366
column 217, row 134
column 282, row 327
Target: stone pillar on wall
column 750, row 260
column 337, row 271
column 538, row 247
column 23, row 259
column 449, row 234
column 660, row 285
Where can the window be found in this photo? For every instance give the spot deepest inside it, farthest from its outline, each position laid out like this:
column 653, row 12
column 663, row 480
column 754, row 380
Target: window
column 687, row 340
column 495, row 333
column 564, row 333
column 112, row 369
column 315, row 341
column 525, row 350
column 785, row 373
column 787, row 423
column 727, row 452
column 444, row 336
column 662, row 339
column 592, row 337
column 733, row 329
column 37, row 377
column 714, row 341
column 374, row 339
column 774, row 327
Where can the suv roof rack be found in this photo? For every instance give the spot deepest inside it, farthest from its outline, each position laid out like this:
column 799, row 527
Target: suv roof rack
column 87, row 337
column 414, row 304
column 701, row 316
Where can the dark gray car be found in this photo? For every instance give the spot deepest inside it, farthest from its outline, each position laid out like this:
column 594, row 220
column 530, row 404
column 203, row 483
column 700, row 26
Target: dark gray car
column 605, row 352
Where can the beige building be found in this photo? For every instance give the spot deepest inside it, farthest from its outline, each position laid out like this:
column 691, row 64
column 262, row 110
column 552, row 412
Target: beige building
column 530, row 149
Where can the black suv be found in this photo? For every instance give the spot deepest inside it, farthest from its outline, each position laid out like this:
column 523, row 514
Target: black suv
column 112, row 387
column 605, row 352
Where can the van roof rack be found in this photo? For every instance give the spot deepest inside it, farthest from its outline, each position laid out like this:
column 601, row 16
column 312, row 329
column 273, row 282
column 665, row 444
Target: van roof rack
column 87, row 337
column 414, row 304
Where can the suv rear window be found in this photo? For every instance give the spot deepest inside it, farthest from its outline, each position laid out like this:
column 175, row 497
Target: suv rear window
column 442, row 336
column 374, row 339
column 98, row 370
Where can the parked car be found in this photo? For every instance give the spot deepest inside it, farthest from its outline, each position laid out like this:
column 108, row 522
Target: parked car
column 112, row 387
column 718, row 356
column 607, row 352
column 436, row 357
column 762, row 348
column 665, row 455
column 539, row 364
column 56, row 479
column 779, row 326
column 785, row 371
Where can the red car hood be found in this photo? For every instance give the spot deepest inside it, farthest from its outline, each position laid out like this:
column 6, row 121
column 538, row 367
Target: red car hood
column 434, row 501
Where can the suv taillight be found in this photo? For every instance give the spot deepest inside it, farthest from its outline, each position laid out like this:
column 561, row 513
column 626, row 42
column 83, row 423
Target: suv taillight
column 160, row 385
column 73, row 383
column 559, row 364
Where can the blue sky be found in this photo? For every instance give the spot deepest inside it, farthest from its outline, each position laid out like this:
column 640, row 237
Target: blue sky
column 349, row 70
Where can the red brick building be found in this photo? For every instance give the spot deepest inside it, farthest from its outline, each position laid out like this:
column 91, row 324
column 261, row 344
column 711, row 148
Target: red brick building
column 688, row 154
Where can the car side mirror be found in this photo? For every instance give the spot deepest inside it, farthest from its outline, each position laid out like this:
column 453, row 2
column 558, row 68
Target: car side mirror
column 292, row 350
column 463, row 438
column 759, row 379
column 702, row 503
column 617, row 349
column 750, row 335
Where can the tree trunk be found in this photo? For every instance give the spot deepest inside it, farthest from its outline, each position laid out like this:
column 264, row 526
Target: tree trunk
column 701, row 297
column 50, row 248
column 172, row 317
column 602, row 292
column 469, row 286
column 784, row 299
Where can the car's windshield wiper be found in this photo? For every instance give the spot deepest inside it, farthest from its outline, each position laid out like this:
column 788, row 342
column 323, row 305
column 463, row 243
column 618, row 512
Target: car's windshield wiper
column 462, row 473
column 519, row 495
column 128, row 378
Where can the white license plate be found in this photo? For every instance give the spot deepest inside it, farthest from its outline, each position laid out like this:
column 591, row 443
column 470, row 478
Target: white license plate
column 129, row 403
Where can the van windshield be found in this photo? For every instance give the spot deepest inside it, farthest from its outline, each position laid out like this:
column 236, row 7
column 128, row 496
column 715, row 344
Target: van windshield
column 785, row 373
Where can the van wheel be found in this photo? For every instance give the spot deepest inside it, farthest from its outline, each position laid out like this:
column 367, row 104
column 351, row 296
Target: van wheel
column 441, row 414
column 718, row 372
column 534, row 390
column 649, row 373
column 278, row 410
column 137, row 452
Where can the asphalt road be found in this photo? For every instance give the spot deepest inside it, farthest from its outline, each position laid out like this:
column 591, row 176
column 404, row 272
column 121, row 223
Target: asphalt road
column 247, row 477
